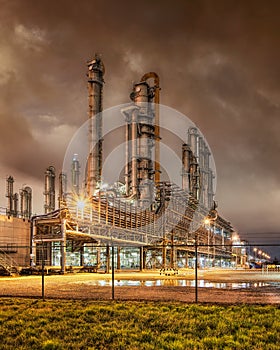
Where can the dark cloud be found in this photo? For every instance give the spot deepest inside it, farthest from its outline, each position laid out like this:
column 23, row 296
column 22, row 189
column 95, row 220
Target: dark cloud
column 218, row 62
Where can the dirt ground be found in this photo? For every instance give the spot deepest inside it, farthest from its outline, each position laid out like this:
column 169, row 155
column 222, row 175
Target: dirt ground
column 251, row 286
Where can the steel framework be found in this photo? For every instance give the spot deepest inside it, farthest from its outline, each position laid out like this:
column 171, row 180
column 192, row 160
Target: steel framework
column 176, row 221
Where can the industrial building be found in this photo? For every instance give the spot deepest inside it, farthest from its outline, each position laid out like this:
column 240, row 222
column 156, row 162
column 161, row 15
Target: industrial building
column 15, row 237
column 148, row 222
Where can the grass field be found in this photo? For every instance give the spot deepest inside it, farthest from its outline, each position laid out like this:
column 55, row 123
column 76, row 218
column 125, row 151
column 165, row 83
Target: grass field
column 65, row 324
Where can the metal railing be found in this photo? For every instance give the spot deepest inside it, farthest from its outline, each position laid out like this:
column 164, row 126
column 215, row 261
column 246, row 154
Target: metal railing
column 7, row 263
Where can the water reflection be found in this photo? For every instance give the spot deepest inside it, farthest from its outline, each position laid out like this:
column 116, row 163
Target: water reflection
column 179, row 283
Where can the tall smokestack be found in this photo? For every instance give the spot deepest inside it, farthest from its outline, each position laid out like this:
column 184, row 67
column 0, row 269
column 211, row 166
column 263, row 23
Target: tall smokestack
column 95, row 88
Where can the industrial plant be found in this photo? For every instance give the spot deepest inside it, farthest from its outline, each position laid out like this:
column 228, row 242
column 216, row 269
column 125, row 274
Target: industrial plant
column 142, row 221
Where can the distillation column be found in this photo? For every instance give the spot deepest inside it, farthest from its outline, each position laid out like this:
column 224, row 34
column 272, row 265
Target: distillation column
column 190, row 172
column 140, row 140
column 201, row 174
column 49, row 192
column 15, row 199
column 211, row 193
column 62, row 190
column 156, row 97
column 193, row 140
column 204, row 168
column 75, row 175
column 186, row 161
column 195, row 174
column 95, row 89
column 26, row 202
column 10, row 195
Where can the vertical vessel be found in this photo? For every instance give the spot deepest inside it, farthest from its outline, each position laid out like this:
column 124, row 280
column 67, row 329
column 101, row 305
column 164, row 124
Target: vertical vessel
column 49, row 192
column 142, row 132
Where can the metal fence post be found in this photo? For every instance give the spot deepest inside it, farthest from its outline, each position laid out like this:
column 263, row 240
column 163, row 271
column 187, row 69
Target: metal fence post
column 196, row 266
column 113, row 273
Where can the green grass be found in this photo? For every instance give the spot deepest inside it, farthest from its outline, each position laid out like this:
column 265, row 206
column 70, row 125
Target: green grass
column 62, row 324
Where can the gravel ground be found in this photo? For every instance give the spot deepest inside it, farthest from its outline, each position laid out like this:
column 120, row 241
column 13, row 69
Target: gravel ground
column 265, row 288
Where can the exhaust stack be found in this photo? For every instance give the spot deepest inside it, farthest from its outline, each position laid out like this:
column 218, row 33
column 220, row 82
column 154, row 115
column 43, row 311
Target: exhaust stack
column 95, row 90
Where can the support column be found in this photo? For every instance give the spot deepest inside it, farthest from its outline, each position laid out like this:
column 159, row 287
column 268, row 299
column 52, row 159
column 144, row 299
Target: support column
column 107, row 258
column 187, row 259
column 172, row 253
column 175, row 252
column 98, row 256
column 163, row 254
column 33, row 245
column 144, row 258
column 118, row 258
column 63, row 246
column 82, row 256
column 141, row 258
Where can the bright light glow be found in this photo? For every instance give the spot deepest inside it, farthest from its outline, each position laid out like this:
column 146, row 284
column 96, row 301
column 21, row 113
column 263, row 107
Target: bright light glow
column 206, row 221
column 81, row 204
column 235, row 237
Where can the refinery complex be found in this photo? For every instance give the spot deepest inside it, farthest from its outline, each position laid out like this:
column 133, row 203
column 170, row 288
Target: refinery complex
column 143, row 220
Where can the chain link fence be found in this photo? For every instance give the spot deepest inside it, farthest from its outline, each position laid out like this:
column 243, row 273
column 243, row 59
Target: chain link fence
column 191, row 273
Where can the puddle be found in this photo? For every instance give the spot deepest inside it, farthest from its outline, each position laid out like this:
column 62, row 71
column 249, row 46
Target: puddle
column 179, row 283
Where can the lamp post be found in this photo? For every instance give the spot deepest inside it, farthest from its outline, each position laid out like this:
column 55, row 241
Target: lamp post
column 113, row 266
column 113, row 271
column 196, row 267
column 43, row 270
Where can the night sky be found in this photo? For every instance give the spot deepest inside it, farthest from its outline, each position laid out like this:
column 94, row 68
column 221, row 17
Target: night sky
column 218, row 63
